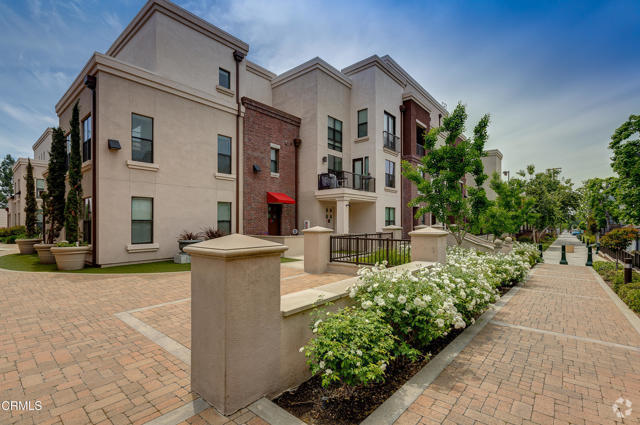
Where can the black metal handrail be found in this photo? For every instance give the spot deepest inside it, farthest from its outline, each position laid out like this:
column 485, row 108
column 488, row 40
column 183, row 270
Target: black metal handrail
column 367, row 250
column 622, row 255
column 390, row 140
column 346, row 180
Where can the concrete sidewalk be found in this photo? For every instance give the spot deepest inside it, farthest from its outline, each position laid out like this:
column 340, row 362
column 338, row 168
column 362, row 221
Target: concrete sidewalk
column 578, row 258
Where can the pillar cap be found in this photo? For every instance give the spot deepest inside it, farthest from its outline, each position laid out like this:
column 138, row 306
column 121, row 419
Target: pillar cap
column 428, row 232
column 235, row 245
column 392, row 227
column 317, row 229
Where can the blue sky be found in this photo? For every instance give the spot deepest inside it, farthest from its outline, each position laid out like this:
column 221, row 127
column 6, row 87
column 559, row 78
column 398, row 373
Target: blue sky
column 556, row 77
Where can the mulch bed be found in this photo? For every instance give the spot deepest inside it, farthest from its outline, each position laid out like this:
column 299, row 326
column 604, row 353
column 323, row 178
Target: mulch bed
column 337, row 405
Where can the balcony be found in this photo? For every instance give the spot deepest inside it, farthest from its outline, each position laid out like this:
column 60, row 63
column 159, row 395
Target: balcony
column 391, row 141
column 346, row 180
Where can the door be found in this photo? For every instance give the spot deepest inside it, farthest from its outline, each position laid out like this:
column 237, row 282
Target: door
column 275, row 215
column 360, row 169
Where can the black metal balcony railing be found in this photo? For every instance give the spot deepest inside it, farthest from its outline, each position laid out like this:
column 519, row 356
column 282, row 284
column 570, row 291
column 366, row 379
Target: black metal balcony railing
column 369, row 249
column 346, row 180
column 391, row 141
column 390, row 180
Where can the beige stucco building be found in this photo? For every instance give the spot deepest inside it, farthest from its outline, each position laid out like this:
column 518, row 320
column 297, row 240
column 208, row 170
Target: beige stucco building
column 173, row 113
column 17, row 202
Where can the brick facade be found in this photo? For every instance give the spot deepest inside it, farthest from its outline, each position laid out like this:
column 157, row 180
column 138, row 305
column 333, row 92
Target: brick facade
column 264, row 125
column 412, row 112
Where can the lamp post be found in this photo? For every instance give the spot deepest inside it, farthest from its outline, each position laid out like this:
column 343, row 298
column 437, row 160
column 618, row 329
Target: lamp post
column 506, row 173
column 589, row 262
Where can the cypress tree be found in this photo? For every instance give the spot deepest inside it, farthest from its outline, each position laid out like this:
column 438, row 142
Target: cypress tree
column 56, row 185
column 74, row 196
column 30, row 208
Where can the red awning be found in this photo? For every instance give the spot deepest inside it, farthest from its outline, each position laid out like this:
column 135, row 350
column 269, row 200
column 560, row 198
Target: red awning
column 279, row 198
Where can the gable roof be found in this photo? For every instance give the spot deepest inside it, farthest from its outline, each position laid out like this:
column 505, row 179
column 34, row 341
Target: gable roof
column 372, row 61
column 308, row 66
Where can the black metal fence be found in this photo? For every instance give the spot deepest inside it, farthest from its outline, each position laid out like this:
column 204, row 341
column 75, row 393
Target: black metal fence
column 346, row 180
column 622, row 255
column 369, row 249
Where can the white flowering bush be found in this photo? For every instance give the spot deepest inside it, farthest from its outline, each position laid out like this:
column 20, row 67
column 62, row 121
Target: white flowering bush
column 399, row 313
column 418, row 309
column 353, row 346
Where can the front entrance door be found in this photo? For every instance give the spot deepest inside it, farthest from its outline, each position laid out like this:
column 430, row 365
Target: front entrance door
column 275, row 215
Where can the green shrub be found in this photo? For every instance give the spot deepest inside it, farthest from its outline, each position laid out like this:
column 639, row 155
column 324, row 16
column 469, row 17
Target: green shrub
column 12, row 239
column 525, row 239
column 352, row 346
column 65, row 244
column 9, row 231
column 630, row 294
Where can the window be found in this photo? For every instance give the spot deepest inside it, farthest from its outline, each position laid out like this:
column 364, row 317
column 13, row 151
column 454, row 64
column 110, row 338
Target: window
column 141, row 220
column 39, row 220
column 362, row 123
column 68, row 150
column 389, row 131
column 335, row 134
column 224, row 217
column 224, row 154
column 389, row 216
column 335, row 164
column 389, row 173
column 275, row 160
column 86, row 139
column 420, row 131
column 141, row 138
column 39, row 188
column 86, row 220
column 224, row 78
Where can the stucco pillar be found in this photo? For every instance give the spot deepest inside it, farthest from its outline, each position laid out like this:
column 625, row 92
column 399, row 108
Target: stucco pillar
column 235, row 320
column 429, row 244
column 316, row 249
column 342, row 216
column 395, row 230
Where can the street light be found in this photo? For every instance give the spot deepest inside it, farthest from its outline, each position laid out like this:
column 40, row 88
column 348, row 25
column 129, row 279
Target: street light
column 506, row 173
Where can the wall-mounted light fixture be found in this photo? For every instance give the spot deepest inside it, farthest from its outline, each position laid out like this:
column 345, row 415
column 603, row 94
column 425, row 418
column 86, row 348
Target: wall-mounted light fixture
column 324, row 159
column 256, row 168
column 114, row 145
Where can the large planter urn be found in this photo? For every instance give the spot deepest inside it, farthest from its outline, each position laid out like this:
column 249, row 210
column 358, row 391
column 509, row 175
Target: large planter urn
column 25, row 246
column 44, row 252
column 70, row 257
column 186, row 242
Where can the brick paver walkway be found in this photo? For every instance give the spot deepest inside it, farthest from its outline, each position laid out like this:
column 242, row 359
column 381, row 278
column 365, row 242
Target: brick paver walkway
column 559, row 352
column 61, row 344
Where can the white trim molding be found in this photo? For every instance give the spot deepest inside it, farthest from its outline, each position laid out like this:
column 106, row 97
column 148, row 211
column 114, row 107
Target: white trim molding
column 145, row 166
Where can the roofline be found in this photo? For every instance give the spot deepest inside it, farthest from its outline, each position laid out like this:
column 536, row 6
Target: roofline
column 24, row 161
column 181, row 15
column 110, row 65
column 271, row 111
column 313, row 64
column 375, row 60
column 493, row 152
column 43, row 136
column 260, row 71
column 410, row 80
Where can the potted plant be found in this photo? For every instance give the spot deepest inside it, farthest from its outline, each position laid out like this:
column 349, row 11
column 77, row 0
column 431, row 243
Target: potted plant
column 71, row 255
column 53, row 201
column 187, row 238
column 25, row 246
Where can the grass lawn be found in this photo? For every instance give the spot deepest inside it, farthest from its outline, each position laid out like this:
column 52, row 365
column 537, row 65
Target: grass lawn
column 287, row 260
column 31, row 263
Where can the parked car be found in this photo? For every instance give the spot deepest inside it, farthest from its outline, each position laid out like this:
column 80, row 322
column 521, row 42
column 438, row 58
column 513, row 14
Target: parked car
column 576, row 232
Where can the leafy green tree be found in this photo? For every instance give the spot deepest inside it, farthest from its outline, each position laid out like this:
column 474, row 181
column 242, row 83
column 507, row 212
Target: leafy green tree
column 619, row 239
column 554, row 201
column 598, row 204
column 626, row 162
column 54, row 207
column 439, row 175
column 31, row 205
column 74, row 195
column 6, row 180
column 510, row 210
